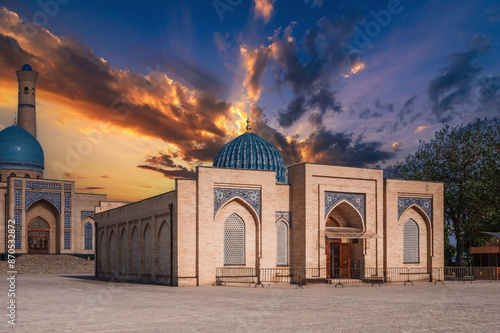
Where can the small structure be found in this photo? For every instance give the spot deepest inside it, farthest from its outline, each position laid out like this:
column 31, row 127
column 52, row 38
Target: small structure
column 488, row 255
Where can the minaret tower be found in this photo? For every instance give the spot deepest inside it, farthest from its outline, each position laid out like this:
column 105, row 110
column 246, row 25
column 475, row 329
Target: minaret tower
column 26, row 110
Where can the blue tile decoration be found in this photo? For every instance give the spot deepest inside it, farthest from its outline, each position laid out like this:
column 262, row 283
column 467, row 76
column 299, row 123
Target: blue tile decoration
column 17, row 197
column 88, row 236
column 222, row 195
column 280, row 215
column 18, row 183
column 67, row 187
column 52, row 197
column 67, row 219
column 17, row 217
column 250, row 151
column 67, row 239
column 356, row 199
column 67, row 200
column 17, row 240
column 424, row 203
column 43, row 185
column 86, row 213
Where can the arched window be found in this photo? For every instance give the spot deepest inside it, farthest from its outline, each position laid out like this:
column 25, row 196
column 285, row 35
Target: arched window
column 234, row 241
column 17, row 198
column 282, row 244
column 88, row 236
column 410, row 242
column 26, row 176
column 17, row 218
column 26, row 90
column 12, row 175
column 67, row 220
column 67, row 239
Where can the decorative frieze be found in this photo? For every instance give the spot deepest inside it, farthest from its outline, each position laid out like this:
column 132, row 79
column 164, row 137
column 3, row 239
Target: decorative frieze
column 43, row 185
column 423, row 203
column 222, row 195
column 356, row 199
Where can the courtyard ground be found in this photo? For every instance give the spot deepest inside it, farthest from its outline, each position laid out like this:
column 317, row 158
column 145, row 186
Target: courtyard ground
column 54, row 303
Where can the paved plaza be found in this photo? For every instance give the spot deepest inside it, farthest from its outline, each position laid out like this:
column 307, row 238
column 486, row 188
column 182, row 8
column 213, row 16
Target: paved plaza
column 53, row 303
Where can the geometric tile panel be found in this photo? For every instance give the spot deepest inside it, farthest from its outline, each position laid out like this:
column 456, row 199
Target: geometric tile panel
column 18, row 183
column 222, row 195
column 17, row 241
column 284, row 216
column 424, row 203
column 234, row 241
column 32, row 196
column 88, row 236
column 17, row 197
column 67, row 239
column 17, row 217
column 356, row 199
column 87, row 213
column 67, row 200
column 67, row 187
column 410, row 242
column 43, row 185
column 67, row 219
column 282, row 244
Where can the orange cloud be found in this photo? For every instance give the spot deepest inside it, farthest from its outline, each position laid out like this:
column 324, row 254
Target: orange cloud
column 255, row 63
column 264, row 9
column 420, row 129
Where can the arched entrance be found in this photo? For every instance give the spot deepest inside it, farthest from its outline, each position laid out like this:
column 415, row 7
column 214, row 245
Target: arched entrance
column 38, row 236
column 343, row 242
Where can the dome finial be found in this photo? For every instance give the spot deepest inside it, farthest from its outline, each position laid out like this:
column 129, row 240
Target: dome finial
column 249, row 128
column 15, row 119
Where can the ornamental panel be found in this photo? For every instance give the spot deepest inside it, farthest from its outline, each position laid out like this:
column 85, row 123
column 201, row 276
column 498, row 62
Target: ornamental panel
column 222, row 195
column 67, row 200
column 67, row 219
column 88, row 236
column 356, row 199
column 32, row 196
column 18, row 183
column 17, row 217
column 67, row 239
column 67, row 187
column 86, row 213
column 17, row 242
column 424, row 203
column 43, row 185
column 281, row 215
column 234, row 241
column 282, row 244
column 410, row 242
column 17, row 197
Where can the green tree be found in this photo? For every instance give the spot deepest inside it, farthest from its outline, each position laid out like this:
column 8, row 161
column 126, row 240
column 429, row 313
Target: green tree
column 466, row 159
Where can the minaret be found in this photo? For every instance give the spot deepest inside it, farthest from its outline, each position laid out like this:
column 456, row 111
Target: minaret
column 26, row 110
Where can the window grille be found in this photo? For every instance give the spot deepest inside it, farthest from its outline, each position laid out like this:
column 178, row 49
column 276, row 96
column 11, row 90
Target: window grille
column 234, row 241
column 17, row 241
column 88, row 236
column 67, row 220
column 67, row 239
column 17, row 198
column 17, row 218
column 67, row 200
column 410, row 242
column 282, row 244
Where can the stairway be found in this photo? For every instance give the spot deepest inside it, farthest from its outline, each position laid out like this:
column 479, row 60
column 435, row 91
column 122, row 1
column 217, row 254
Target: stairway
column 50, row 264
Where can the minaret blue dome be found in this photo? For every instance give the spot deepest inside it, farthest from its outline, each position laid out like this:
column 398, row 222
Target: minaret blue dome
column 26, row 67
column 250, row 151
column 20, row 150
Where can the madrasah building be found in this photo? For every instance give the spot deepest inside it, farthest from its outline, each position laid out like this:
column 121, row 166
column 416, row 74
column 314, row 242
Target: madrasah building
column 248, row 213
column 46, row 216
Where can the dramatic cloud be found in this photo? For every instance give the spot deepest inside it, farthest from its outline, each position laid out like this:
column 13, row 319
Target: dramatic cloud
column 255, row 62
column 453, row 87
column 264, row 9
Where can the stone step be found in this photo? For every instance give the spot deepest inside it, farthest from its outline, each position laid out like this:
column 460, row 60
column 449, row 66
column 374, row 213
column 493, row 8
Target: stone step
column 50, row 264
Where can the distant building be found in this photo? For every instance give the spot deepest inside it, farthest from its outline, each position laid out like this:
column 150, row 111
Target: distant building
column 250, row 211
column 49, row 216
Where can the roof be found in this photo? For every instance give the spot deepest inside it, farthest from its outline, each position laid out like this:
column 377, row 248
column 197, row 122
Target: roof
column 20, row 150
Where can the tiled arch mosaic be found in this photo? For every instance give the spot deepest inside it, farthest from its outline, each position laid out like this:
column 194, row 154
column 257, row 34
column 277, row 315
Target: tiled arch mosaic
column 32, row 196
column 423, row 203
column 284, row 216
column 86, row 213
column 222, row 195
column 356, row 199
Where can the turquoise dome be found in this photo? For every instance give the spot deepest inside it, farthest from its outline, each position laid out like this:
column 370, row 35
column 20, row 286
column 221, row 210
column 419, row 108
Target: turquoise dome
column 20, row 150
column 250, row 151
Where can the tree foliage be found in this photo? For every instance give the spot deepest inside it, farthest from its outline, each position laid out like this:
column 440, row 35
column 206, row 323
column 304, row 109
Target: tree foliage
column 466, row 159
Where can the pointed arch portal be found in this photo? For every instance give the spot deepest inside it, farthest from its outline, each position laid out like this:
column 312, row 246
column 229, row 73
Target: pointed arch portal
column 38, row 236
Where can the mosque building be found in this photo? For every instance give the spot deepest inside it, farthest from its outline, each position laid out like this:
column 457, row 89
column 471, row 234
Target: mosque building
column 46, row 216
column 248, row 213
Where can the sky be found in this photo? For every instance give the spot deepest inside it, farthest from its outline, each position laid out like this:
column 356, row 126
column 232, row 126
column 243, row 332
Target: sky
column 134, row 94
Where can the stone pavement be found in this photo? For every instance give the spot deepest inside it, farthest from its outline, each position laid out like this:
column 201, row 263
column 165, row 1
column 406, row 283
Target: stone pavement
column 53, row 303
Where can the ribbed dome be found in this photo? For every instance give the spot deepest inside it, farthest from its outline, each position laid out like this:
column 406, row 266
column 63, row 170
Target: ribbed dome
column 250, row 151
column 26, row 67
column 20, row 150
